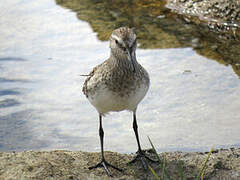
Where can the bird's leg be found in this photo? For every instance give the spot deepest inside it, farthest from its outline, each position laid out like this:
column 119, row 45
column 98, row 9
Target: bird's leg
column 140, row 154
column 103, row 163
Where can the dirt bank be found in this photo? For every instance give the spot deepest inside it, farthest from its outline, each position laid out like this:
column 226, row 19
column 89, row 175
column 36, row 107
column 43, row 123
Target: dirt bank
column 223, row 11
column 59, row 164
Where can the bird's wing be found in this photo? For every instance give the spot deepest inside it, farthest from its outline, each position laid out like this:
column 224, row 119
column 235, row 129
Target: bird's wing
column 89, row 76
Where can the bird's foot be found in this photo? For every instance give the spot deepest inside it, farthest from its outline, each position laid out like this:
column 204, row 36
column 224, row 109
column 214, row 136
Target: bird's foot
column 105, row 165
column 143, row 158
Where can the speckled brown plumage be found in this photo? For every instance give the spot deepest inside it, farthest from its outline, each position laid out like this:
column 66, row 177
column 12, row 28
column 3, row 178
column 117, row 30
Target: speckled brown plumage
column 116, row 79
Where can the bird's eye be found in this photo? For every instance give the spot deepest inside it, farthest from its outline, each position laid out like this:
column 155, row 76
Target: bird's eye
column 116, row 41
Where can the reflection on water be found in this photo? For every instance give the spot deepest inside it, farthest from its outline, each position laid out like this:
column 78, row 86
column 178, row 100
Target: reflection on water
column 192, row 103
column 156, row 27
column 8, row 92
column 8, row 102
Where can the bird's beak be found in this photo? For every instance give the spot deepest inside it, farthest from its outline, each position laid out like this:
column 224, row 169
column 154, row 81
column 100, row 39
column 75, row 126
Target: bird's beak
column 131, row 58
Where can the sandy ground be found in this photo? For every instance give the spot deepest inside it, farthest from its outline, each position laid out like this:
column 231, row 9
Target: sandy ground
column 223, row 164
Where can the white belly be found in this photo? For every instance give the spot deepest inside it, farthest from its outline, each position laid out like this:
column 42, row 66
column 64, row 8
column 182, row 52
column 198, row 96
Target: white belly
column 105, row 100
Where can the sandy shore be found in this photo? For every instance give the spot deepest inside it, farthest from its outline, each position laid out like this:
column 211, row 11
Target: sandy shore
column 61, row 164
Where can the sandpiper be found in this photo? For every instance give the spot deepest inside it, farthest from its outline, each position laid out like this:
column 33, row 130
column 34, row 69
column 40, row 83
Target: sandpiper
column 117, row 84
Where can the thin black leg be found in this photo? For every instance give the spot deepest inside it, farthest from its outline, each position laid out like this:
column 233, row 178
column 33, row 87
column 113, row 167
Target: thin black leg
column 140, row 154
column 135, row 128
column 103, row 163
column 101, row 135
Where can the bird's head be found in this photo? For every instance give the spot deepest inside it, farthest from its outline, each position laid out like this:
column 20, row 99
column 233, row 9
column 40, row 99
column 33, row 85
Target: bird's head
column 123, row 43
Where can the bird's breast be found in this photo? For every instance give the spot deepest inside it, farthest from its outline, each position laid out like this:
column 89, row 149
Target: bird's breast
column 121, row 96
column 117, row 90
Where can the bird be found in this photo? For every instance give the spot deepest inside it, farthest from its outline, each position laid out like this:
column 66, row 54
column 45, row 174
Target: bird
column 118, row 83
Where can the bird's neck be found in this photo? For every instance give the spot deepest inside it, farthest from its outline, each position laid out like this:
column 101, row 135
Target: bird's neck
column 121, row 59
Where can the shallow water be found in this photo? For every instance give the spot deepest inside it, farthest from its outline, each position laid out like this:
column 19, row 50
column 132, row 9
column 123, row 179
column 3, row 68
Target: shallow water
column 193, row 102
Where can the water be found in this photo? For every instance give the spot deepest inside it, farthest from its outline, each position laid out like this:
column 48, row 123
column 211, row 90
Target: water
column 193, row 102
